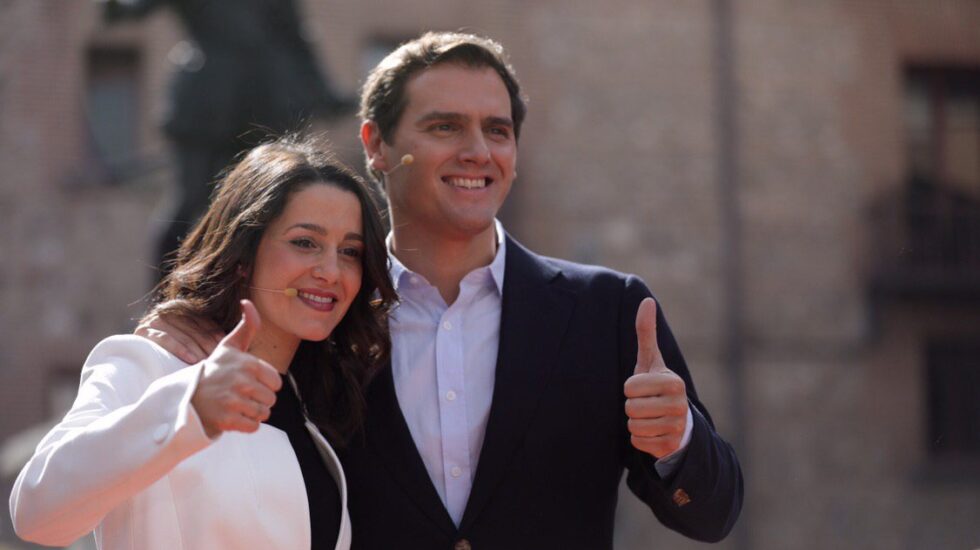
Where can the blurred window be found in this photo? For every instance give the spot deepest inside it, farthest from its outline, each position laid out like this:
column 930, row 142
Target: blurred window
column 112, row 105
column 942, row 126
column 953, row 382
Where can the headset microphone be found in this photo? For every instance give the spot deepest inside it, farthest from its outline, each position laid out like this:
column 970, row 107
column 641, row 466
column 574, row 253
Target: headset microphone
column 291, row 292
column 406, row 160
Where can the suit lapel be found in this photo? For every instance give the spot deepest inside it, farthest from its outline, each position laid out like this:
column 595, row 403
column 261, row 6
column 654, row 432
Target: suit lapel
column 534, row 316
column 391, row 440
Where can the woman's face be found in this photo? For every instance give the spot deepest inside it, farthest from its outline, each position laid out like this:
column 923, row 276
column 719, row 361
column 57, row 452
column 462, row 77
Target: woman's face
column 315, row 246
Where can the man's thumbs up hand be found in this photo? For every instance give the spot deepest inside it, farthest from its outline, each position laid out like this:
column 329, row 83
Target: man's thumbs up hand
column 656, row 398
column 647, row 353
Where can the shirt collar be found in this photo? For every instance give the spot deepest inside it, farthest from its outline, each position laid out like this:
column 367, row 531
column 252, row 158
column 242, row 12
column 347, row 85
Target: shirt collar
column 398, row 270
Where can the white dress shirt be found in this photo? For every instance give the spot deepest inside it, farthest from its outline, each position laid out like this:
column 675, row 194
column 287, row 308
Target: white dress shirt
column 443, row 361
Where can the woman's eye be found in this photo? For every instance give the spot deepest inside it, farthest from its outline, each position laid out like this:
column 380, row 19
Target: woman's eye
column 303, row 243
column 351, row 252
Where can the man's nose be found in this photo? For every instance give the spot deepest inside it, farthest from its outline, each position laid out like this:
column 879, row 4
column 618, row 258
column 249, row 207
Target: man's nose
column 475, row 150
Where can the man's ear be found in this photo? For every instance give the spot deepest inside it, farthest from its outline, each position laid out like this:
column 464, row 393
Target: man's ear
column 374, row 148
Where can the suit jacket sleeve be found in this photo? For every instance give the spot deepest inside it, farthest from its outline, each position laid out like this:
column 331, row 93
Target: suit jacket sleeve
column 131, row 423
column 703, row 497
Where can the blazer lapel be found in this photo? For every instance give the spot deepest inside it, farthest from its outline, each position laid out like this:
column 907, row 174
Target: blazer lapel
column 534, row 316
column 391, row 440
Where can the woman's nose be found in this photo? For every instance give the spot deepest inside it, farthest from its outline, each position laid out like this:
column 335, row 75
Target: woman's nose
column 327, row 269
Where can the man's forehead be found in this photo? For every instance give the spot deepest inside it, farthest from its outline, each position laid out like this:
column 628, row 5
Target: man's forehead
column 457, row 88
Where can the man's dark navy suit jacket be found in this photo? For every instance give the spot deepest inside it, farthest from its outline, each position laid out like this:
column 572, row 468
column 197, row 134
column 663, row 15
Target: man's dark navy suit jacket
column 556, row 441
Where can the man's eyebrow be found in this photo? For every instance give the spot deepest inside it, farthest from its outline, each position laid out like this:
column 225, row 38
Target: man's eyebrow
column 441, row 115
column 320, row 230
column 456, row 117
column 499, row 121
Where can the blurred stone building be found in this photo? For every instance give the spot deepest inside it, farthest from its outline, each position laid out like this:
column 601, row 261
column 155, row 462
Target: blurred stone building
column 798, row 182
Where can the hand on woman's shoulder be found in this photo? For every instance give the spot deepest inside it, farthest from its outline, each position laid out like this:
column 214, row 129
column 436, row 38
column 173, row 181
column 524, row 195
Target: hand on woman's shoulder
column 128, row 363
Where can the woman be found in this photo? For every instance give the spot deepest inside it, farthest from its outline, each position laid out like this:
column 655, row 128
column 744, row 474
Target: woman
column 228, row 453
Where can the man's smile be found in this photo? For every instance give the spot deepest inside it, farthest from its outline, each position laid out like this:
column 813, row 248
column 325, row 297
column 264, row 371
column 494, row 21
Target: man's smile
column 468, row 183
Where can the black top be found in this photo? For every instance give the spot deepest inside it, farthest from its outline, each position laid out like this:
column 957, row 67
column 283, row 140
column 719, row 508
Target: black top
column 321, row 489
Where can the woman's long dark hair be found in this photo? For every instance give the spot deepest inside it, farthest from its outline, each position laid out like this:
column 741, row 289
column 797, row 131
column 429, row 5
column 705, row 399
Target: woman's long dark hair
column 213, row 267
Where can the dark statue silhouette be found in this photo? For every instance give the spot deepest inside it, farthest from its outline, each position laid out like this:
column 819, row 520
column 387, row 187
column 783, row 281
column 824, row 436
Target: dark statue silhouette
column 246, row 72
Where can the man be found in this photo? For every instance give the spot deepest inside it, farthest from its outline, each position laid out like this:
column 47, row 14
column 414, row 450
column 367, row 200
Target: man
column 500, row 423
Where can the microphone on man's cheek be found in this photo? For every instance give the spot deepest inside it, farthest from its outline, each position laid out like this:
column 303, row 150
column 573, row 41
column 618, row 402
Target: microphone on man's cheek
column 406, row 160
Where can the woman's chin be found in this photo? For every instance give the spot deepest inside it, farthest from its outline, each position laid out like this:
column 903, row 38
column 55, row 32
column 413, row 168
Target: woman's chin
column 317, row 335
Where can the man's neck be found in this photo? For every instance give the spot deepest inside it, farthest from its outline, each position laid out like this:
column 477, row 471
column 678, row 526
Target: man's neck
column 444, row 261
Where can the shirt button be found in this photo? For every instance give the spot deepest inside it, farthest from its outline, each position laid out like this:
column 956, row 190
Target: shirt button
column 413, row 280
column 451, row 395
column 447, row 325
column 456, row 471
column 160, row 433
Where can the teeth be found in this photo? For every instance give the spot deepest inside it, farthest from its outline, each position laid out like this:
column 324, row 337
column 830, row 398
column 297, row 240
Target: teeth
column 317, row 299
column 469, row 183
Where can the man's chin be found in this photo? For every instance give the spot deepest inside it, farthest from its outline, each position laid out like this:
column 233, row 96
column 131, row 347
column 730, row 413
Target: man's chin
column 472, row 227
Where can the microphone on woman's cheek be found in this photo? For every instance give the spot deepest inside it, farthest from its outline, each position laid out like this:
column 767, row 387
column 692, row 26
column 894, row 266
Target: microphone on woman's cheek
column 406, row 160
column 290, row 292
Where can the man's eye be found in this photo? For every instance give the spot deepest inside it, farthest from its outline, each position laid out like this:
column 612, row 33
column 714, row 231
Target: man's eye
column 500, row 131
column 443, row 127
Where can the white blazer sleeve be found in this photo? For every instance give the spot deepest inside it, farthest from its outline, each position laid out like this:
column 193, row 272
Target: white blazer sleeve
column 131, row 423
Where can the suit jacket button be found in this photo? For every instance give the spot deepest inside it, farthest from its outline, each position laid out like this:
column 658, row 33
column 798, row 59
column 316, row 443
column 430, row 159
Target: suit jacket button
column 462, row 544
column 681, row 497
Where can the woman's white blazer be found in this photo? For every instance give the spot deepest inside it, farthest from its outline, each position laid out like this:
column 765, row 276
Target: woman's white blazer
column 131, row 462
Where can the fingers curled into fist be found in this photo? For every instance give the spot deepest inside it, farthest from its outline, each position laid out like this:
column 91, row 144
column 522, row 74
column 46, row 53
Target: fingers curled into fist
column 237, row 389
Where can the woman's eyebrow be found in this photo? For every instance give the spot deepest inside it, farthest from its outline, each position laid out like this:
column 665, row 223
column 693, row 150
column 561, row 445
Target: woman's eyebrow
column 309, row 226
column 320, row 230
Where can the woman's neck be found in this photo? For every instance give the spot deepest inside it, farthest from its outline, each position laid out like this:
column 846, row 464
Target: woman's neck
column 277, row 350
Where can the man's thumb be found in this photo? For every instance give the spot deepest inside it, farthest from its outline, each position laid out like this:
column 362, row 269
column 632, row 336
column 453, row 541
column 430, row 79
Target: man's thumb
column 242, row 335
column 646, row 335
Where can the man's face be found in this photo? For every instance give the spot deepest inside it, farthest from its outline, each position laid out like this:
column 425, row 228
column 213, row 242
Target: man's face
column 457, row 125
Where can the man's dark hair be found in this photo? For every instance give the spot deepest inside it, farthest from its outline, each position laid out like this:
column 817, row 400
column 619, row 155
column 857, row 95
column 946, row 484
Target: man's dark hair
column 383, row 96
